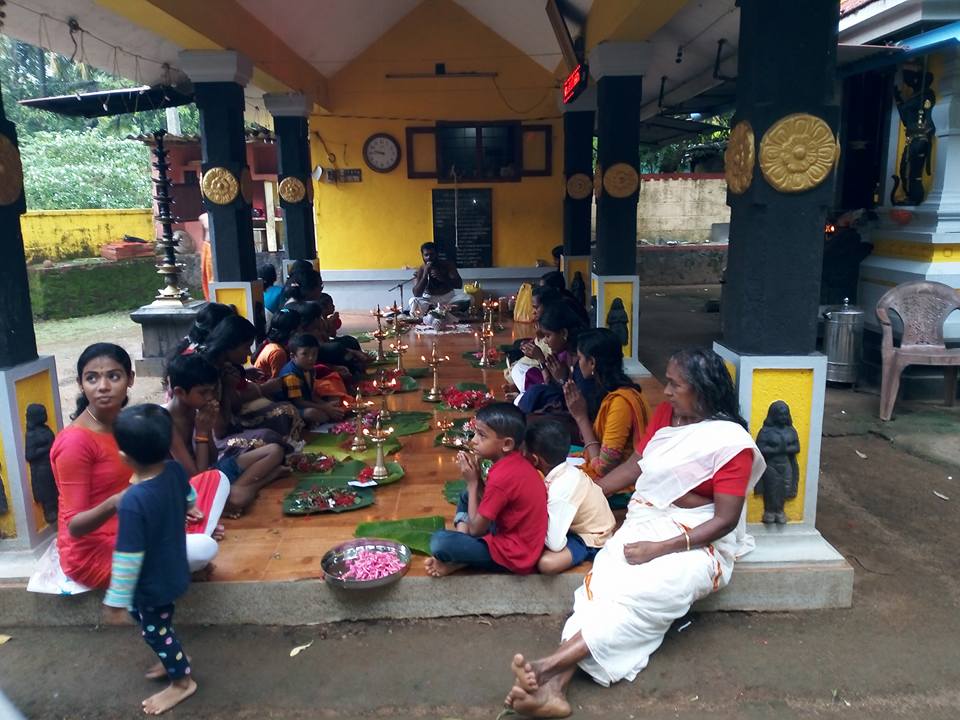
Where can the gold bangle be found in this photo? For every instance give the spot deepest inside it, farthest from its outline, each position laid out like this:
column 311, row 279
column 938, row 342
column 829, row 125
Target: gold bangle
column 201, row 438
column 687, row 536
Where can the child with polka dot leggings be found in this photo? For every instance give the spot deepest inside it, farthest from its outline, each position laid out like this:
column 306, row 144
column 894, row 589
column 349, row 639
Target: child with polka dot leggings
column 150, row 567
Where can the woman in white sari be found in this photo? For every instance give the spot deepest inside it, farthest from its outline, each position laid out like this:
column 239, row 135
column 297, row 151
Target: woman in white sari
column 683, row 530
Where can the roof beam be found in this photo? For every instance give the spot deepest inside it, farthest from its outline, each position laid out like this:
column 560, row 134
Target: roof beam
column 628, row 20
column 224, row 24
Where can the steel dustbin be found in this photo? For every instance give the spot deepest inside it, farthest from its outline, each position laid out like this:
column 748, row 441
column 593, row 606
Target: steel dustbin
column 843, row 341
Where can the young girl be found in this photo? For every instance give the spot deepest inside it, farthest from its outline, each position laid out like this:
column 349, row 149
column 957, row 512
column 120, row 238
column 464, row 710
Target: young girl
column 560, row 328
column 272, row 355
column 206, row 320
column 244, row 405
column 91, row 477
column 623, row 416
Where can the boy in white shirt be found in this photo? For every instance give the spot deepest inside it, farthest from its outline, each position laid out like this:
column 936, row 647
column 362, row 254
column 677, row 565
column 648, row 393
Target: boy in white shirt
column 579, row 518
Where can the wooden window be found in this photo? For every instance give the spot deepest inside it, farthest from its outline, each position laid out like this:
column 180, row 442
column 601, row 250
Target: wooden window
column 479, row 152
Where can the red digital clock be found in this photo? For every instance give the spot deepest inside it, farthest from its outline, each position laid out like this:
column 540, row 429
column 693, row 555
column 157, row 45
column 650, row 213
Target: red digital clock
column 575, row 83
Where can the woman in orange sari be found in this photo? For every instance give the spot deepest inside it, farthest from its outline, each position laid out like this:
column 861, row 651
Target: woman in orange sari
column 623, row 415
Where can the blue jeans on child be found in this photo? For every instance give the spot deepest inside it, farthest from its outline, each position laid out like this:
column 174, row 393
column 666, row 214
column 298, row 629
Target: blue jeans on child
column 156, row 624
column 456, row 547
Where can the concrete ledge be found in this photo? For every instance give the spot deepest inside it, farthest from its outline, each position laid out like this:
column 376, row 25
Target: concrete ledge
column 755, row 586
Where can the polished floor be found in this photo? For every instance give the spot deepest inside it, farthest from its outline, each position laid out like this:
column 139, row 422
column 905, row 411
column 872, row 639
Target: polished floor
column 265, row 544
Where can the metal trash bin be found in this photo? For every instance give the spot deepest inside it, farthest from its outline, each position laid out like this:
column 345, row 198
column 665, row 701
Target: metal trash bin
column 843, row 341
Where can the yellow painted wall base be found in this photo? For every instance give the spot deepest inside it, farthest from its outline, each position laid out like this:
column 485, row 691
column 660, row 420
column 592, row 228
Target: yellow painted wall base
column 624, row 291
column 795, row 387
column 66, row 234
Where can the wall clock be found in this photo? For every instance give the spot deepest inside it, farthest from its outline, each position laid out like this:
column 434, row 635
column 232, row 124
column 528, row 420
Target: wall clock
column 381, row 152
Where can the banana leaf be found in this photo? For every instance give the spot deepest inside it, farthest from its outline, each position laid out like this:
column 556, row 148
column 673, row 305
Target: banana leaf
column 474, row 361
column 472, row 386
column 453, row 489
column 413, row 532
column 343, row 472
column 444, row 439
column 338, row 447
column 409, row 422
column 417, row 372
column 299, row 500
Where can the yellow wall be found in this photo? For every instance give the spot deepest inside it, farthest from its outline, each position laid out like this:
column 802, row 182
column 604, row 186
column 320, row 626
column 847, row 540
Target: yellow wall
column 795, row 387
column 38, row 389
column 65, row 234
column 381, row 222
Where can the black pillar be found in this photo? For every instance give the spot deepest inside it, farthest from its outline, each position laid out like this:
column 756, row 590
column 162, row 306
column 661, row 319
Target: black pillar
column 18, row 344
column 618, row 145
column 223, row 143
column 787, row 65
column 293, row 140
column 578, row 164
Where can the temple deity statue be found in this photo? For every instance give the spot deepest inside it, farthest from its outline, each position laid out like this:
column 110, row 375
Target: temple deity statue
column 618, row 321
column 779, row 444
column 915, row 100
column 38, row 440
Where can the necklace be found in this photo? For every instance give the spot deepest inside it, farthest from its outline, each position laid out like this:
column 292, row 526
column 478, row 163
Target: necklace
column 99, row 421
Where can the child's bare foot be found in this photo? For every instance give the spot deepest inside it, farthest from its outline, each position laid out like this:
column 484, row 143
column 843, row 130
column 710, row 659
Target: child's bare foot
column 527, row 677
column 232, row 512
column 462, row 527
column 436, row 568
column 203, row 574
column 175, row 693
column 219, row 532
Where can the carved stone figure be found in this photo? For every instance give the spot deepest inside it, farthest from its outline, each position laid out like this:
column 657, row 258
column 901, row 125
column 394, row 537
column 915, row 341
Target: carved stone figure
column 915, row 101
column 578, row 288
column 39, row 439
column 618, row 321
column 4, row 507
column 779, row 444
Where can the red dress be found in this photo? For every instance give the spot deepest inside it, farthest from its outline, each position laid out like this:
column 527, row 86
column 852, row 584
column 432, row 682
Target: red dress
column 88, row 470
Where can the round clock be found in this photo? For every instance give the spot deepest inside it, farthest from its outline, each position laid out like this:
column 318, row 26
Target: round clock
column 381, row 152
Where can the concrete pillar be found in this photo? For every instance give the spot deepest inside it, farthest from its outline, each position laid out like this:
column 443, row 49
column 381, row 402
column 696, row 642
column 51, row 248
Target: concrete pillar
column 25, row 379
column 780, row 173
column 290, row 124
column 578, row 126
column 618, row 70
column 219, row 77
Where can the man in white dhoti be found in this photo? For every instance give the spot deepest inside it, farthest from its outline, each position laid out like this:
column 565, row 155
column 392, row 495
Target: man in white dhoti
column 436, row 282
column 683, row 531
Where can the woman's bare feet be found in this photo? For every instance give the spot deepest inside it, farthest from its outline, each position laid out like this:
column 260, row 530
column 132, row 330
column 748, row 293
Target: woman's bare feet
column 436, row 568
column 219, row 532
column 176, row 692
column 545, row 702
column 527, row 676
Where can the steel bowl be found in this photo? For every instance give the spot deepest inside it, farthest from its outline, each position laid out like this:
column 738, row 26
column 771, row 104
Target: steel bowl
column 334, row 562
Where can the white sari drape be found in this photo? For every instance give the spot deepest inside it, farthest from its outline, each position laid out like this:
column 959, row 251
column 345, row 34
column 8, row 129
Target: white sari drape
column 623, row 611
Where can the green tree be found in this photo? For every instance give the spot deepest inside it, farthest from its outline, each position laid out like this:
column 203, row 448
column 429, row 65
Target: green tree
column 70, row 169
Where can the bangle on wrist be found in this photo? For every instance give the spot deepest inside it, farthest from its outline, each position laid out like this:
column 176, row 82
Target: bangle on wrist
column 592, row 442
column 687, row 536
column 201, row 438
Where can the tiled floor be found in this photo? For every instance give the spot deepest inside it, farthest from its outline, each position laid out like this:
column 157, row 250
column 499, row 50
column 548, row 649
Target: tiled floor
column 266, row 545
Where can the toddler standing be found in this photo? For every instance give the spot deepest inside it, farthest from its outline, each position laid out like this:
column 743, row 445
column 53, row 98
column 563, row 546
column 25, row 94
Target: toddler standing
column 150, row 568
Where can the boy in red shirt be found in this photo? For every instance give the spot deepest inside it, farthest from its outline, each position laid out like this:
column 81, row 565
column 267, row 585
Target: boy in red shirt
column 504, row 530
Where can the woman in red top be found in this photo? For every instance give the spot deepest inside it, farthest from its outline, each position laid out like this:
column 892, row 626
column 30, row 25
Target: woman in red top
column 91, row 476
column 678, row 543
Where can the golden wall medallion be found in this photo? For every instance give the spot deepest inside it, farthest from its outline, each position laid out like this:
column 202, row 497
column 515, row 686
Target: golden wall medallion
column 798, row 152
column 739, row 157
column 621, row 180
column 219, row 186
column 246, row 186
column 579, row 186
column 292, row 190
column 11, row 172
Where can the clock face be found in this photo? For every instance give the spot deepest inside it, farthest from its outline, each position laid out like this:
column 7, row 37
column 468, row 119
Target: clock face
column 381, row 152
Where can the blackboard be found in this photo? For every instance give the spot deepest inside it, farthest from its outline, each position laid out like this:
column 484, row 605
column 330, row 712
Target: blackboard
column 464, row 236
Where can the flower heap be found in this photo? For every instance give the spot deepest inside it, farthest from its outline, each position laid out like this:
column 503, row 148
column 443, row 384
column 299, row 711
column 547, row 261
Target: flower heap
column 348, row 426
column 466, row 399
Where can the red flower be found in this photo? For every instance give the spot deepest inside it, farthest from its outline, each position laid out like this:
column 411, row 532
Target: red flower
column 365, row 475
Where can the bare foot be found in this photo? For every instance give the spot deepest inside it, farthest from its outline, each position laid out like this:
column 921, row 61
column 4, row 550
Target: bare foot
column 527, row 677
column 219, row 532
column 231, row 512
column 203, row 574
column 462, row 527
column 545, row 702
column 178, row 691
column 437, row 569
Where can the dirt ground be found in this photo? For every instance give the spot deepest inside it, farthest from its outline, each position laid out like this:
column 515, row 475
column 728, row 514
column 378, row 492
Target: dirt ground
column 894, row 654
